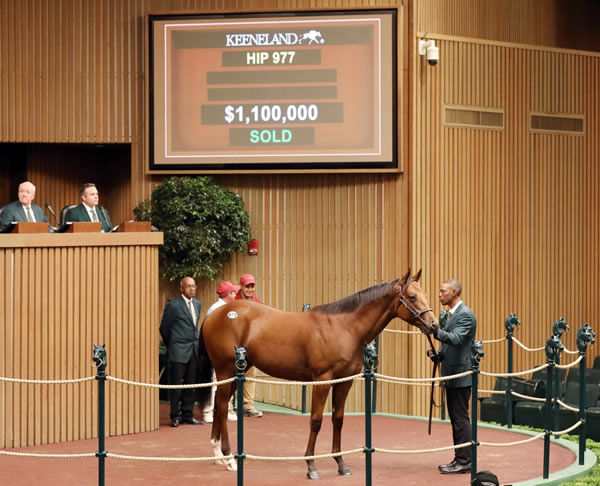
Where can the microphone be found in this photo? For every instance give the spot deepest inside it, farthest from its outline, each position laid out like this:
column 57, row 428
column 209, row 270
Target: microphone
column 49, row 208
column 105, row 216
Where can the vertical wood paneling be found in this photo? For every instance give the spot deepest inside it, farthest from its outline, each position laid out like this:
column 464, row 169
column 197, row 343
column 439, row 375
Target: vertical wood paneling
column 511, row 213
column 51, row 314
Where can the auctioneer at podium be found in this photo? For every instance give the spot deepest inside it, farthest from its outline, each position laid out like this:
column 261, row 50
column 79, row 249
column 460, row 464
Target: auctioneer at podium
column 89, row 210
column 23, row 210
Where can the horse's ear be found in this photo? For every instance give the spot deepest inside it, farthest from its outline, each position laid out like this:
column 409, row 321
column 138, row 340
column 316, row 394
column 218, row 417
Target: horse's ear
column 405, row 278
column 417, row 276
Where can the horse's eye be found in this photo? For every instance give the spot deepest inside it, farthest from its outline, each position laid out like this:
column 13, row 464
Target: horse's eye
column 412, row 298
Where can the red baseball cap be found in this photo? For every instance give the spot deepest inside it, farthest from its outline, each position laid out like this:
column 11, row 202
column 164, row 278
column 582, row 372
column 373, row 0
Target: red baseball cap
column 225, row 288
column 247, row 279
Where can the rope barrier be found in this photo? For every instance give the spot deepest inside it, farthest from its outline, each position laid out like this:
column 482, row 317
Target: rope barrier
column 327, row 382
column 570, row 364
column 47, row 382
column 169, row 459
column 400, row 331
column 191, row 385
column 417, row 380
column 421, row 451
column 568, row 407
column 517, row 373
column 525, row 347
column 527, row 397
column 304, row 458
column 50, row 456
column 490, row 341
column 517, row 442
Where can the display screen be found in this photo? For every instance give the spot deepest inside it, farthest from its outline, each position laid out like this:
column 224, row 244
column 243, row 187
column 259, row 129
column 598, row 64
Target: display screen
column 273, row 91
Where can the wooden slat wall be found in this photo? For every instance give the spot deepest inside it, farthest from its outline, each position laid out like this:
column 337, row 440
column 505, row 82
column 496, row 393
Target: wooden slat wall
column 55, row 303
column 73, row 72
column 509, row 212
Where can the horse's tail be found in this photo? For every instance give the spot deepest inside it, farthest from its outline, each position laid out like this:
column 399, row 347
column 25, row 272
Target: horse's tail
column 203, row 374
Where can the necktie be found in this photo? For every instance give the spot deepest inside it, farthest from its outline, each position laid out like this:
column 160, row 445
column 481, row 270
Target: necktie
column 93, row 214
column 29, row 214
column 191, row 307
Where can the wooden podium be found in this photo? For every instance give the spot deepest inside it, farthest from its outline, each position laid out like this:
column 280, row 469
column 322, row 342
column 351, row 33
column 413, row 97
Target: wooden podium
column 134, row 227
column 84, row 227
column 25, row 227
column 60, row 294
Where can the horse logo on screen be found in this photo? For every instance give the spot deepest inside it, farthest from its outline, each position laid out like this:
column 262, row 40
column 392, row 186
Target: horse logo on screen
column 312, row 36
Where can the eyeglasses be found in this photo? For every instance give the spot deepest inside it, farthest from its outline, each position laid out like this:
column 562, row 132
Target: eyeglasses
column 249, row 286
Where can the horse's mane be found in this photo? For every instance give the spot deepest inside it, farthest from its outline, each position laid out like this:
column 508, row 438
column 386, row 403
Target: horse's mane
column 351, row 302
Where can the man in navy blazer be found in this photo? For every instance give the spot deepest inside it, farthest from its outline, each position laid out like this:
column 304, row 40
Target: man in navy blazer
column 456, row 333
column 23, row 209
column 179, row 331
column 89, row 210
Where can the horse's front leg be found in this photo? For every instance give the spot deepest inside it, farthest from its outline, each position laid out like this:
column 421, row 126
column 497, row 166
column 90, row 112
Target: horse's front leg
column 338, row 399
column 319, row 396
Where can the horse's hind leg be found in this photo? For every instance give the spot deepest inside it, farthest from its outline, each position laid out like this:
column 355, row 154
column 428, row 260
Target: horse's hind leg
column 220, row 435
column 338, row 398
column 319, row 396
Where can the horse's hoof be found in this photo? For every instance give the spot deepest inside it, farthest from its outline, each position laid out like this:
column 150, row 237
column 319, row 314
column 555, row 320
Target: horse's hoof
column 345, row 471
column 231, row 465
column 313, row 475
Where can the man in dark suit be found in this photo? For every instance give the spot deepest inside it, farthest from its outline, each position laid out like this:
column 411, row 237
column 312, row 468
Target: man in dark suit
column 23, row 209
column 88, row 210
column 456, row 333
column 179, row 331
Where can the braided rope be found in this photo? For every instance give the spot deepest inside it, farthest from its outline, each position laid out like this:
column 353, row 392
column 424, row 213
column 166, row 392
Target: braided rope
column 48, row 382
column 489, row 341
column 400, row 382
column 570, row 429
column 569, row 352
column 525, row 347
column 50, row 456
column 570, row 364
column 327, row 382
column 191, row 385
column 517, row 442
column 417, row 380
column 303, row 458
column 421, row 451
column 517, row 373
column 527, row 397
column 568, row 407
column 400, row 331
column 493, row 392
column 169, row 459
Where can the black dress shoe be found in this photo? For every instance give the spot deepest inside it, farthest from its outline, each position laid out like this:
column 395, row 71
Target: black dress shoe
column 450, row 464
column 192, row 421
column 455, row 468
column 175, row 422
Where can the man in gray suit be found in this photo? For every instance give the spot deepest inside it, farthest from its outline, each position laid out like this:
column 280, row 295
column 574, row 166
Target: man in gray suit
column 456, row 333
column 23, row 210
column 179, row 331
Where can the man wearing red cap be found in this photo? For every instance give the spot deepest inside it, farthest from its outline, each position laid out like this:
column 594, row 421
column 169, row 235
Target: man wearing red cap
column 226, row 292
column 248, row 287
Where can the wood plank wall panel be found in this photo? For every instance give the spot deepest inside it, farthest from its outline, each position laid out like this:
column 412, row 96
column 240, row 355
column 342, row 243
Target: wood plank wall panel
column 508, row 211
column 550, row 23
column 55, row 304
column 79, row 78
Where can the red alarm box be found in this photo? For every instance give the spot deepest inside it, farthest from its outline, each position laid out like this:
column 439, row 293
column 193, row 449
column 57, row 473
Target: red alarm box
column 253, row 247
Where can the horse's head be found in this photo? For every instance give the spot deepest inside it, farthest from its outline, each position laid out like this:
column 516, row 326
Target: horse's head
column 99, row 356
column 411, row 304
column 511, row 321
column 559, row 326
column 585, row 335
column 477, row 352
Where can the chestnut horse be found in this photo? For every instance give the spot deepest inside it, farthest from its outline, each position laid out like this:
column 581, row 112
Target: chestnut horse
column 322, row 344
